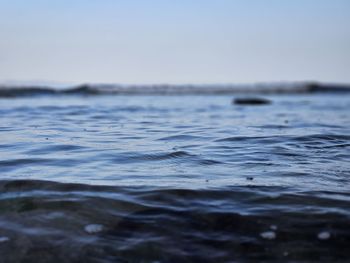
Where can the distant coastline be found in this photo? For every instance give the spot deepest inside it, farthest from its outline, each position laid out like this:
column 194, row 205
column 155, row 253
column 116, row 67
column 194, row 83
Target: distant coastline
column 7, row 91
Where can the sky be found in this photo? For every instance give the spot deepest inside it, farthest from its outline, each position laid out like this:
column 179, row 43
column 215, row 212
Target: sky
column 174, row 41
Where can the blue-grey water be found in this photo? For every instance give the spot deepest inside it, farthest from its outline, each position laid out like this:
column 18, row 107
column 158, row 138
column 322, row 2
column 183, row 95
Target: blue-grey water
column 195, row 178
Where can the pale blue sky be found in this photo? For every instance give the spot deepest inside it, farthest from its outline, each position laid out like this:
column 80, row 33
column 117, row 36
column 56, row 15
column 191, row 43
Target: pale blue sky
column 175, row 41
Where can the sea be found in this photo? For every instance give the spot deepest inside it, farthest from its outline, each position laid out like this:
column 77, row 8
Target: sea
column 175, row 174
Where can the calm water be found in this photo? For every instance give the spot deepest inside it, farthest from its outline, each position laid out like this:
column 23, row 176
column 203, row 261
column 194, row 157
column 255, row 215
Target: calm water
column 174, row 179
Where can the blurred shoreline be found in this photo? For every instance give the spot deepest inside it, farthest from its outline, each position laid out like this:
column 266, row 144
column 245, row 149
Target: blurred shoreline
column 20, row 90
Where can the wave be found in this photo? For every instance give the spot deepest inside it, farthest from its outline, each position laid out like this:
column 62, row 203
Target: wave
column 8, row 91
column 47, row 222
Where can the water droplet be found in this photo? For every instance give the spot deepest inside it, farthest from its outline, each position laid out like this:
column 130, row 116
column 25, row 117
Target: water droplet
column 4, row 239
column 268, row 235
column 93, row 228
column 273, row 227
column 324, row 235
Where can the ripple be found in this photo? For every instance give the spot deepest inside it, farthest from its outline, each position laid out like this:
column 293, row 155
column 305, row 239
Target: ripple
column 191, row 179
column 59, row 220
column 323, row 138
column 166, row 156
column 24, row 161
column 182, row 137
column 55, row 148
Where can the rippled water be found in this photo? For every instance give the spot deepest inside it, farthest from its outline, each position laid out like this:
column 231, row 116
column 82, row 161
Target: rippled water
column 174, row 179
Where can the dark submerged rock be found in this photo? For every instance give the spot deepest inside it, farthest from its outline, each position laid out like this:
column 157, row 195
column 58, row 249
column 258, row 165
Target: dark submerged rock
column 251, row 101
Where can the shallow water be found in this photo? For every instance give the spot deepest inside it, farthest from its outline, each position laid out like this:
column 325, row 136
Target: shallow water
column 174, row 179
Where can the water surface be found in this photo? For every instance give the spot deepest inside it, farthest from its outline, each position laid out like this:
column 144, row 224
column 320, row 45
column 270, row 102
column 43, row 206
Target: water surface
column 174, row 178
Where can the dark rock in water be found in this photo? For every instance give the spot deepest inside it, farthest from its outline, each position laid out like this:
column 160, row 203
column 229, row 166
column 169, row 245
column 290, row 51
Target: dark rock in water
column 251, row 101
